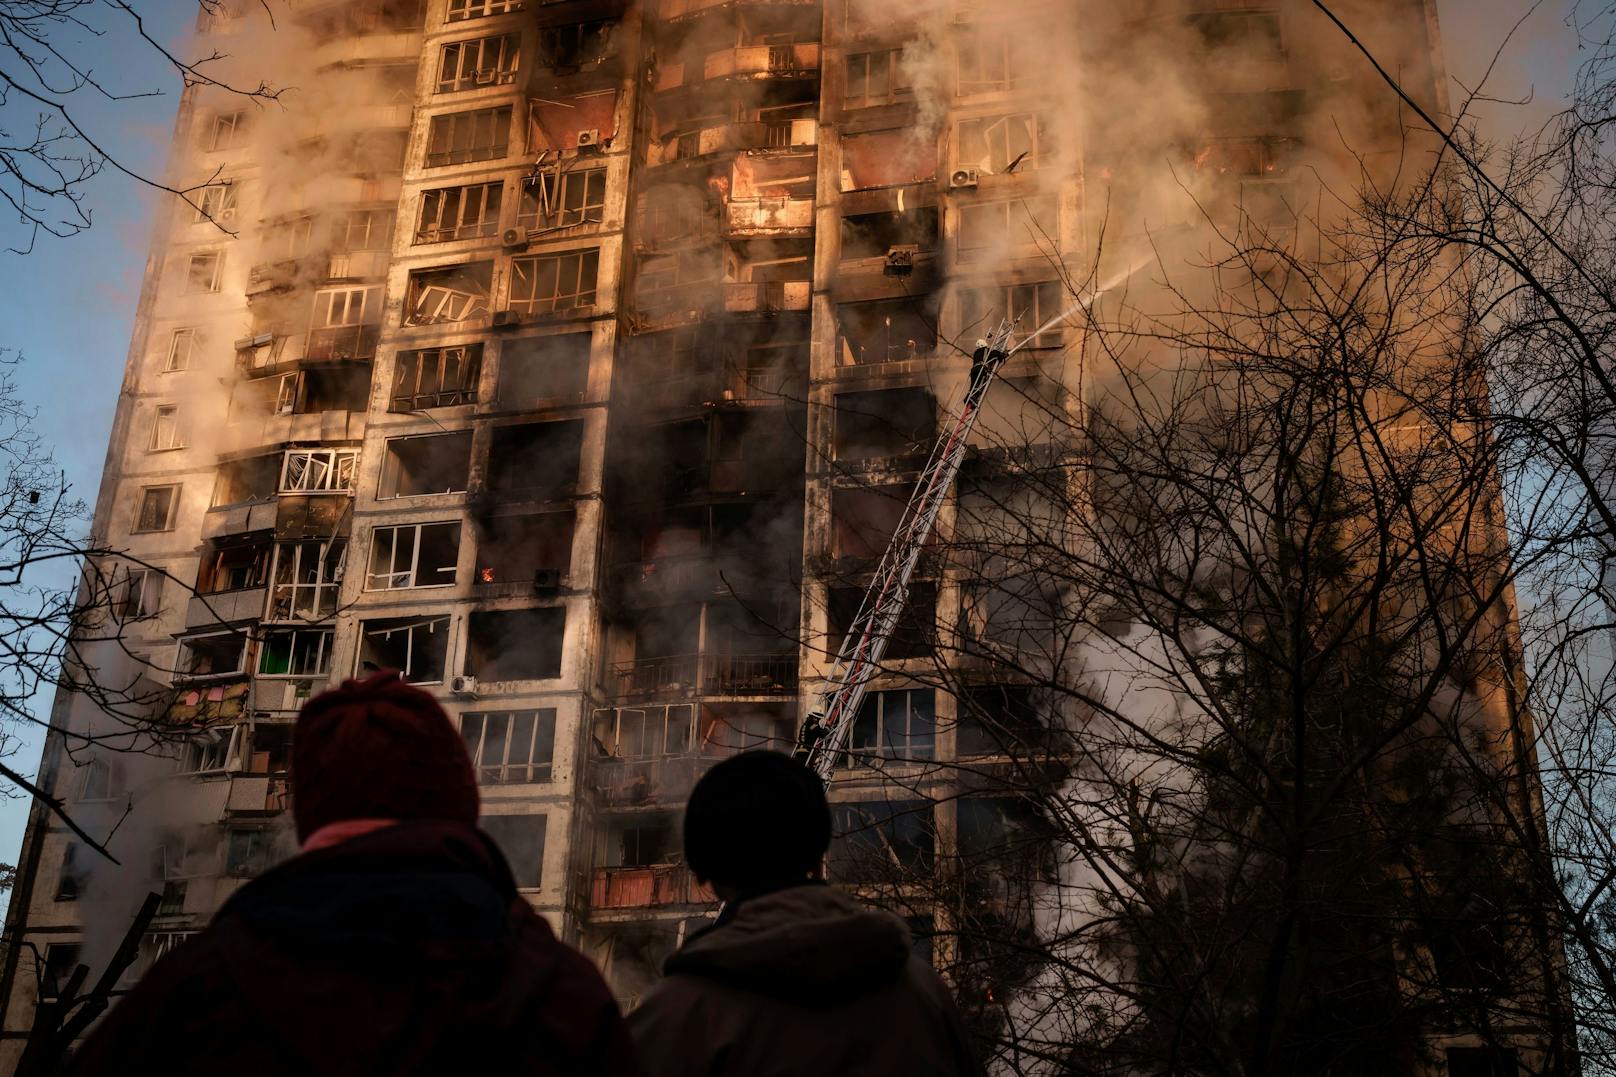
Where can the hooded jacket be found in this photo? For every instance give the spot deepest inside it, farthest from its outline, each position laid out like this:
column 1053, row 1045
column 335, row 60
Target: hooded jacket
column 801, row 981
column 405, row 951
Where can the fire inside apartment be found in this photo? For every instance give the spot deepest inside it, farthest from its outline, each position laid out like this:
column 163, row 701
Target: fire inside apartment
column 574, row 358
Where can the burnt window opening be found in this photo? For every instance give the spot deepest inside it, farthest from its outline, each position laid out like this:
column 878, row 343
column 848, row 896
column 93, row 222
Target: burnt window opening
column 249, row 852
column 461, row 10
column 575, row 44
column 1252, row 157
column 157, row 510
column 457, row 138
column 880, row 840
column 483, row 61
column 510, row 748
column 525, row 551
column 644, row 732
column 1000, row 719
column 884, row 423
column 306, row 579
column 553, row 199
column 136, row 593
column 61, row 958
column 672, row 212
column 1029, row 307
column 874, row 235
column 913, row 636
column 344, row 388
column 536, row 371
column 515, row 645
column 521, row 839
column 899, row 725
column 451, row 213
column 986, row 226
column 535, row 461
column 295, row 652
column 220, row 654
column 270, row 747
column 994, row 143
column 212, row 750
column 876, row 78
column 75, row 868
column 686, row 280
column 418, row 647
column 436, row 377
column 864, row 519
column 256, row 478
column 450, row 294
column 888, row 159
column 642, row 843
column 413, row 555
column 548, row 283
column 235, row 563
column 887, row 331
column 426, row 464
column 318, row 471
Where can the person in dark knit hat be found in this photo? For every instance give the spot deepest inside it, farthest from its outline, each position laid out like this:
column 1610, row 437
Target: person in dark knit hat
column 794, row 977
column 395, row 943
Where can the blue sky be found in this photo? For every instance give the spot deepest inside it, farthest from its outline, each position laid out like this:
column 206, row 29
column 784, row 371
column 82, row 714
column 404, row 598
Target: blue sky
column 69, row 306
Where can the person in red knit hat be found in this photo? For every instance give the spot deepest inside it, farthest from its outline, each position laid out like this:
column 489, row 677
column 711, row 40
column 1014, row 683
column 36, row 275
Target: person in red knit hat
column 395, row 943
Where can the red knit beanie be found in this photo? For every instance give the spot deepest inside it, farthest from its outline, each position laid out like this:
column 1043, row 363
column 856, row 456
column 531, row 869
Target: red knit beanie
column 378, row 749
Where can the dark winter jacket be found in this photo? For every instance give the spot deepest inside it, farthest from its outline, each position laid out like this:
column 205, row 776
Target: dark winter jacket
column 405, row 951
column 803, row 981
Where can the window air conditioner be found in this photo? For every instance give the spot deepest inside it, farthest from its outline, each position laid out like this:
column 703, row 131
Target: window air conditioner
column 900, row 260
column 513, row 237
column 464, row 686
column 589, row 139
column 962, row 179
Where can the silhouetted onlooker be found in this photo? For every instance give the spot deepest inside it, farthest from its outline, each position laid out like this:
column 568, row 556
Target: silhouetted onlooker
column 396, row 943
column 794, row 977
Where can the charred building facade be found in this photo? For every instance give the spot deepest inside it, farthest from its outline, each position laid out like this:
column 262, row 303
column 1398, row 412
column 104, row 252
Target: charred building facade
column 575, row 357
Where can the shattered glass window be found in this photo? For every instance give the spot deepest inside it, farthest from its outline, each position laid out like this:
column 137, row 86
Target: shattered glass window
column 544, row 284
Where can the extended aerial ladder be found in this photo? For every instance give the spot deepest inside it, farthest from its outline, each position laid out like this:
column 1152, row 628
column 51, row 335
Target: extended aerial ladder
column 827, row 729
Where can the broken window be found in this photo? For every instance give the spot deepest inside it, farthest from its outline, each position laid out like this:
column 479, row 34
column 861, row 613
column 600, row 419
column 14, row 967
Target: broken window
column 204, row 271
column 100, row 781
column 645, row 733
column 985, row 226
column 182, row 347
column 875, row 235
column 876, row 78
column 271, row 743
column 535, row 461
column 436, row 377
column 552, row 200
column 888, row 159
column 451, row 294
column 512, row 747
column 515, row 645
column 457, row 138
column 994, row 144
column 990, row 60
column 317, row 389
column 225, row 131
column 70, row 880
column 460, row 10
column 235, row 563
column 484, row 61
column 306, row 579
column 139, row 594
column 362, row 230
column 413, row 555
column 887, row 331
column 864, row 519
column 895, row 725
column 449, row 213
column 159, row 505
column 546, row 283
column 418, row 647
column 295, row 652
column 586, row 119
column 880, row 839
column 314, row 471
column 248, row 852
column 1031, row 308
column 255, row 478
column 217, row 202
column 575, row 44
column 521, row 839
column 999, row 719
column 426, row 464
column 524, row 551
column 221, row 654
column 165, row 431
column 642, row 843
column 535, row 371
column 912, row 637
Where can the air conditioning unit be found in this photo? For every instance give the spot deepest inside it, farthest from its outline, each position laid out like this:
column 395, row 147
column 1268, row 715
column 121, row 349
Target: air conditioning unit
column 504, row 319
column 464, row 686
column 962, row 179
column 901, row 260
column 514, row 237
column 589, row 140
column 547, row 581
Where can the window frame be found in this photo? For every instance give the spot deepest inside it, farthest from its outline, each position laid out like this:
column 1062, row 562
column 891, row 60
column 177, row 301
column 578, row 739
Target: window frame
column 413, row 572
column 215, row 278
column 466, row 10
column 884, row 745
column 226, row 194
column 540, row 746
column 532, row 266
column 337, row 463
column 437, row 202
column 165, row 429
column 328, row 572
column 466, row 75
column 225, row 131
column 896, row 90
column 323, row 652
column 442, row 128
column 414, row 624
column 551, row 193
column 419, row 360
column 170, row 514
column 179, row 355
column 186, row 646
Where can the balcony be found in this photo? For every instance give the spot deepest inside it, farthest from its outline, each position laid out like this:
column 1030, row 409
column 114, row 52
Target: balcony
column 707, row 675
column 224, row 607
column 769, row 217
column 649, row 887
column 732, row 137
column 645, row 783
column 766, row 296
column 684, row 9
column 730, row 385
column 747, row 61
column 356, row 342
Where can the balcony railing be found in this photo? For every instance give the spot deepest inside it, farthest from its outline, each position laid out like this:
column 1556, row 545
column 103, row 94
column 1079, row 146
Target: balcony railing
column 727, row 385
column 767, row 296
column 768, row 215
column 635, row 783
column 641, row 888
column 708, row 675
column 343, row 342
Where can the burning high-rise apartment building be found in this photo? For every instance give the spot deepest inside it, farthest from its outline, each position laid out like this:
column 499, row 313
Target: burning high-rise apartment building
column 575, row 358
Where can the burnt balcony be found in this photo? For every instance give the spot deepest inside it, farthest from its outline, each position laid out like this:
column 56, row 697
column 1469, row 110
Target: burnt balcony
column 348, row 342
column 746, row 218
column 691, row 675
column 733, row 137
column 767, row 296
column 728, row 385
column 647, row 887
column 645, row 783
column 744, row 62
